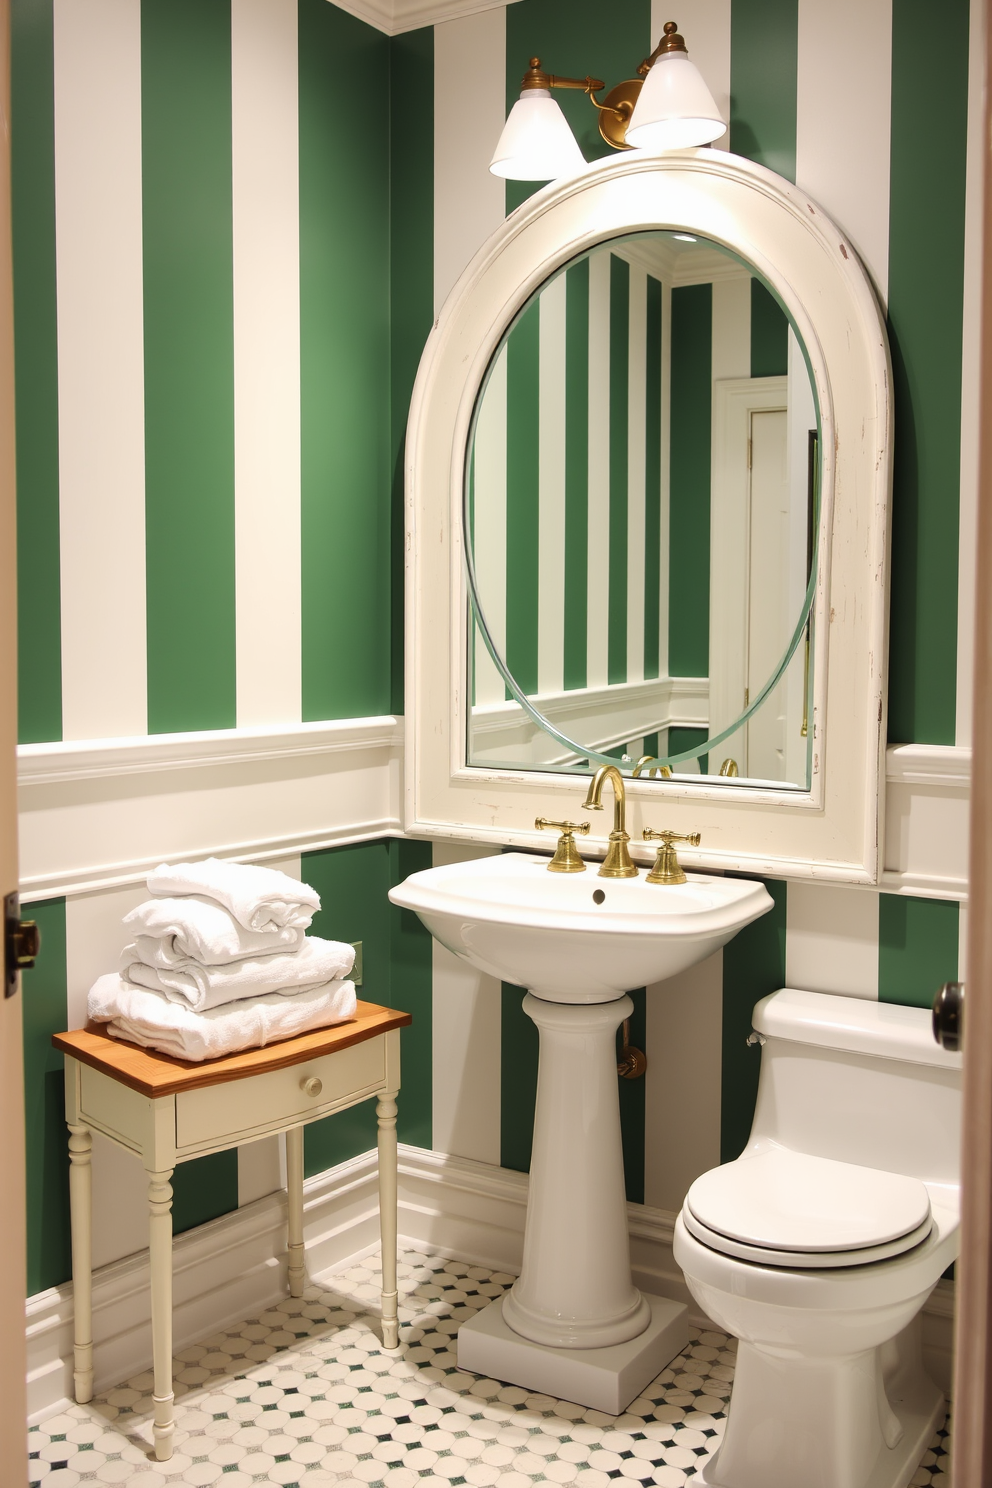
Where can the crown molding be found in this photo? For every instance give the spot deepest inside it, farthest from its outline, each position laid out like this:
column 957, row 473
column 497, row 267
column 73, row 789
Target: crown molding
column 396, row 16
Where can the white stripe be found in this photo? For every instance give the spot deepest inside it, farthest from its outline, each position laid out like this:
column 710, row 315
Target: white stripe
column 843, row 121
column 266, row 223
column 262, row 1164
column 831, row 942
column 551, row 505
column 469, row 110
column 970, row 378
column 490, row 530
column 636, row 434
column 465, row 1044
column 94, row 939
column 598, row 601
column 731, row 334
column 682, row 1091
column 705, row 24
column 101, row 368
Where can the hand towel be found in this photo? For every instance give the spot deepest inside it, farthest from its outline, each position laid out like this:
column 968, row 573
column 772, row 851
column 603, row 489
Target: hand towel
column 151, row 1020
column 258, row 898
column 201, row 987
column 170, row 932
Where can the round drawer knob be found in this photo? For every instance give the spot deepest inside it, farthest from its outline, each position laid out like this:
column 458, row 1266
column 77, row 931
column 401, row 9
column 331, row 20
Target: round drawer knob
column 312, row 1086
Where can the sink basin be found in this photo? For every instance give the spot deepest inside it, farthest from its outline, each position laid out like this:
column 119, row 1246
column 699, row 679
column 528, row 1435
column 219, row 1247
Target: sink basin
column 577, row 937
column 573, row 1324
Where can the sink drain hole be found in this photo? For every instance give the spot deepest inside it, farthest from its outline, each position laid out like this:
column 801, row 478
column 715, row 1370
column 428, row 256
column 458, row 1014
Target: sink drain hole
column 598, row 896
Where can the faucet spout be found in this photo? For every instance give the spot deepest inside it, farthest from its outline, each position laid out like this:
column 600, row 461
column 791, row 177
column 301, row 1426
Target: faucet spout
column 617, row 863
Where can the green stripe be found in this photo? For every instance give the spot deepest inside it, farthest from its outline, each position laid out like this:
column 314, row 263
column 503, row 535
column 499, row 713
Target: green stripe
column 917, row 948
column 753, row 966
column 572, row 38
column 764, row 49
column 353, row 883
column 576, row 472
column 204, row 1189
column 519, row 1045
column 189, row 363
column 411, row 957
column 46, row 1152
column 344, row 363
column 926, row 291
column 32, row 166
column 680, row 739
column 769, row 334
column 632, row 1097
column 411, row 298
column 523, row 496
column 652, row 482
column 616, row 665
column 689, row 499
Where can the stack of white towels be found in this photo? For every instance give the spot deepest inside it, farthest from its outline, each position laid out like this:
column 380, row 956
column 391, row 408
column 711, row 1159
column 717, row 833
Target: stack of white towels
column 219, row 961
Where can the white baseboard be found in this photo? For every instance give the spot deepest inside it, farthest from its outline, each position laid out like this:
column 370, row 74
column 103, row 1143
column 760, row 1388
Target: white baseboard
column 236, row 1265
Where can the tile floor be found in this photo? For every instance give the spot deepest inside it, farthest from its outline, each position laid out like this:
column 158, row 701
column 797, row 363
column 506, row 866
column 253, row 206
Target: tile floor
column 302, row 1396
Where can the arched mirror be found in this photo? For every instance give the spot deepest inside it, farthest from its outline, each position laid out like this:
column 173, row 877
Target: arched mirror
column 647, row 479
column 641, row 523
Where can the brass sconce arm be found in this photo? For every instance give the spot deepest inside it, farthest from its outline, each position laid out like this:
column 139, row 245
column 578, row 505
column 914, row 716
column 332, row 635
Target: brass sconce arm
column 536, row 77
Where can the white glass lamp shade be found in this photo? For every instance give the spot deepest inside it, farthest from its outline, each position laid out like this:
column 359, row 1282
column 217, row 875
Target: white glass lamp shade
column 674, row 108
column 536, row 143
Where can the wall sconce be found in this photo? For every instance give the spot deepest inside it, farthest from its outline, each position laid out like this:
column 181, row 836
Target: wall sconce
column 666, row 107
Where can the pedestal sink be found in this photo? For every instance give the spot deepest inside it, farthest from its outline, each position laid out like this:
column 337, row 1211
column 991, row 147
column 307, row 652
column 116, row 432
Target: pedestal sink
column 574, row 1325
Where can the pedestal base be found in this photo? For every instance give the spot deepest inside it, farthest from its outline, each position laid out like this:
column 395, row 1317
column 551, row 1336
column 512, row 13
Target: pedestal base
column 607, row 1379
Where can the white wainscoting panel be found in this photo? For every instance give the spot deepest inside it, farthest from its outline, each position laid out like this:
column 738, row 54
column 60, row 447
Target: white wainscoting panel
column 926, row 820
column 104, row 812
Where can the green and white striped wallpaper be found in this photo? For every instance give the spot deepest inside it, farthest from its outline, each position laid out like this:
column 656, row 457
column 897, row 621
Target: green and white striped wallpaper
column 223, row 280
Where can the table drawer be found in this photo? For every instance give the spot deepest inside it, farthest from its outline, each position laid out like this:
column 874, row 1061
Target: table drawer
column 238, row 1108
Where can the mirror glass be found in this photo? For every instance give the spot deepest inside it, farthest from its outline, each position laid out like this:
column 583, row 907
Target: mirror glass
column 641, row 524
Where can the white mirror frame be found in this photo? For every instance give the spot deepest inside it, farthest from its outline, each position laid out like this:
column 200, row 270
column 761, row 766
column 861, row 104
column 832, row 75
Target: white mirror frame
column 832, row 831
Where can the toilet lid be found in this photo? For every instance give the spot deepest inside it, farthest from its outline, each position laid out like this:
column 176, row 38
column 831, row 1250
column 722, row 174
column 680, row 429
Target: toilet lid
column 789, row 1201
column 805, row 1260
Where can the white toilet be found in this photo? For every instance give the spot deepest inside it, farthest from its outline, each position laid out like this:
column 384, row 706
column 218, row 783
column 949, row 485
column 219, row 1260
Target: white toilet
column 820, row 1244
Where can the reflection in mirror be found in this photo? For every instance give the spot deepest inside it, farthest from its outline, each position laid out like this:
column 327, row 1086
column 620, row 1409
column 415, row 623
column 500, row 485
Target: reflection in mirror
column 641, row 523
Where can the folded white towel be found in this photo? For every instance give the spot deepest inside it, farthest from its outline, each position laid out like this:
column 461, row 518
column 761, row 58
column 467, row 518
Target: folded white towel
column 170, row 932
column 201, row 987
column 151, row 1020
column 258, row 898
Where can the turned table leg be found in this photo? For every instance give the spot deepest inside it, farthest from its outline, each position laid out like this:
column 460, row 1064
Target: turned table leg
column 81, row 1223
column 160, row 1255
column 386, row 1112
column 294, row 1194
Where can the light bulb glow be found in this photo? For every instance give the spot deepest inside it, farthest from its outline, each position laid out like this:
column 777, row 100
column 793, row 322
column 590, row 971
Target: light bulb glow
column 536, row 143
column 674, row 109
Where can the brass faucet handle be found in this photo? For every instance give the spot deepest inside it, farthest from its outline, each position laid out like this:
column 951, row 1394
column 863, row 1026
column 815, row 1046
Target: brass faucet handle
column 693, row 838
column 667, row 868
column 566, row 858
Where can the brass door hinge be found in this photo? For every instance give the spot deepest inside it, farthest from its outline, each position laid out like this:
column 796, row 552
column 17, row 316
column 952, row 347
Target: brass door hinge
column 21, row 943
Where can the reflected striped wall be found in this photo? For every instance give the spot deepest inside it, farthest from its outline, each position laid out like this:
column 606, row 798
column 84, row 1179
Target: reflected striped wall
column 221, row 298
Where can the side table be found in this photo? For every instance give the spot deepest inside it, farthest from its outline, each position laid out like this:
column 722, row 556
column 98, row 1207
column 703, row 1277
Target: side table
column 167, row 1111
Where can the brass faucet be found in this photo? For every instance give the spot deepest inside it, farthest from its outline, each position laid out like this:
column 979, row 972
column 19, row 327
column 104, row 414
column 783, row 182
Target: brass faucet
column 667, row 868
column 617, row 863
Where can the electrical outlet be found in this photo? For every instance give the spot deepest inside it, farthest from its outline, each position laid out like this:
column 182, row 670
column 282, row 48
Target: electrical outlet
column 356, row 971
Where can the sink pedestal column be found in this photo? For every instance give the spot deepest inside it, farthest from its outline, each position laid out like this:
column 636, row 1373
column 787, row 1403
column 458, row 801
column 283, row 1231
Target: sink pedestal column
column 574, row 1325
column 575, row 1289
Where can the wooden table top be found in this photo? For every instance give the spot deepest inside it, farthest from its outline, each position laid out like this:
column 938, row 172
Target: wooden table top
column 154, row 1074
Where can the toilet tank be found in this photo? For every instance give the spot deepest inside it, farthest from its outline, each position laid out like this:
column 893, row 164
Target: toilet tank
column 862, row 1082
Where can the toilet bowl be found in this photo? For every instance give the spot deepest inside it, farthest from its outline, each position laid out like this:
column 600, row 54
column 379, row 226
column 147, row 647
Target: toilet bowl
column 818, row 1247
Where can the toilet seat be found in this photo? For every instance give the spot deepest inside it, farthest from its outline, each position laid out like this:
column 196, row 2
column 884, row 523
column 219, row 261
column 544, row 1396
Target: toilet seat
column 783, row 1208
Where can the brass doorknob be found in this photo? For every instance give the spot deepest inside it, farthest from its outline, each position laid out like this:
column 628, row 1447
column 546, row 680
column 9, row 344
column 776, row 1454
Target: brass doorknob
column 311, row 1086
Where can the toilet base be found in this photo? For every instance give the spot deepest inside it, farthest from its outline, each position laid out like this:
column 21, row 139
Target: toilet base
column 916, row 1406
column 606, row 1379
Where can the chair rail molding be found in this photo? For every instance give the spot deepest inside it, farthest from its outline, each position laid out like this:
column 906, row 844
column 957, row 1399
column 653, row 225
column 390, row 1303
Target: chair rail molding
column 96, row 813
